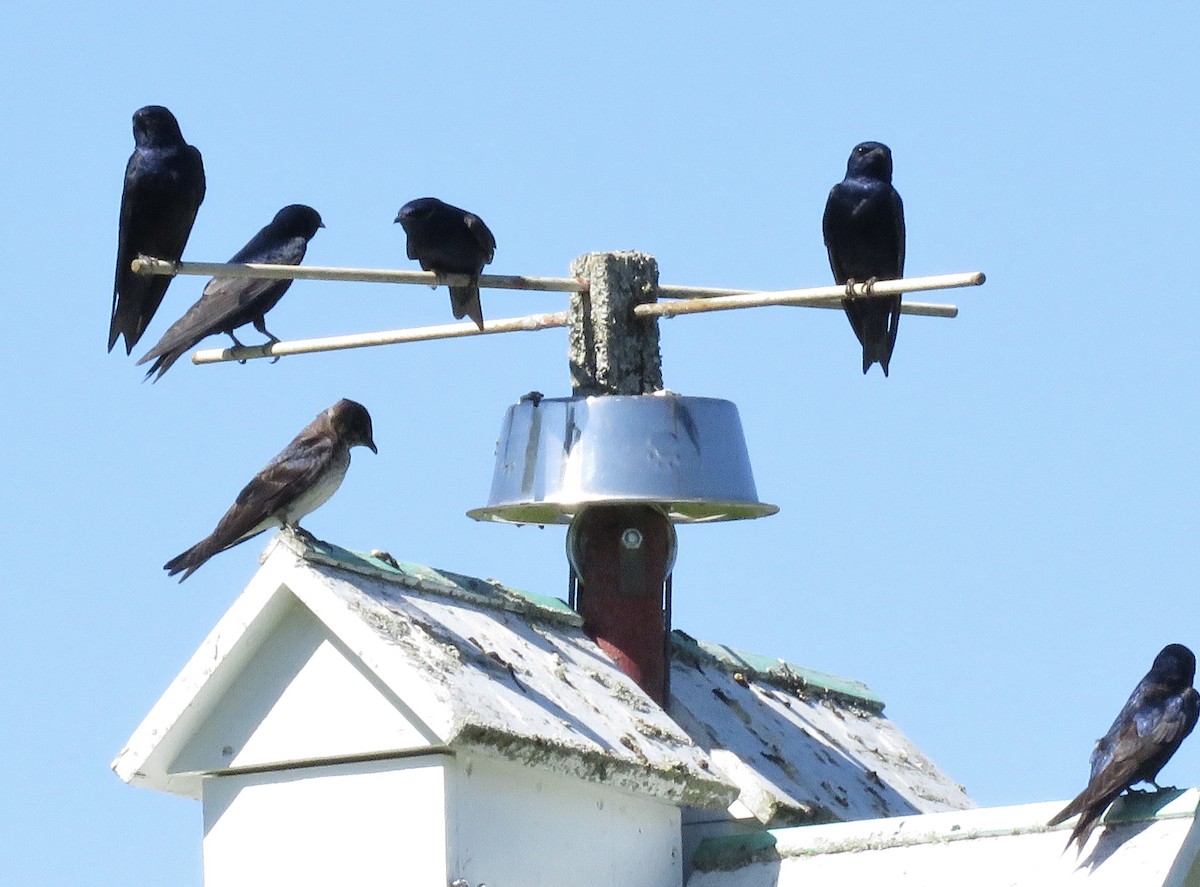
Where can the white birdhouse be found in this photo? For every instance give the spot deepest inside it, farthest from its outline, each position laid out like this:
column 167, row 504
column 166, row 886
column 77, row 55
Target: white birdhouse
column 352, row 720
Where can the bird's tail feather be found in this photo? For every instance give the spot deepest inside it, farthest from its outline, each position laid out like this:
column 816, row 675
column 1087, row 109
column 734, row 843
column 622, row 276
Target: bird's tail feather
column 1083, row 829
column 1089, row 815
column 191, row 560
column 875, row 323
column 1065, row 813
column 464, row 301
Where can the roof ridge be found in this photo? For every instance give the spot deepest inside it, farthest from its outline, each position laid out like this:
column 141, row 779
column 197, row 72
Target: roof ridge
column 796, row 678
column 381, row 565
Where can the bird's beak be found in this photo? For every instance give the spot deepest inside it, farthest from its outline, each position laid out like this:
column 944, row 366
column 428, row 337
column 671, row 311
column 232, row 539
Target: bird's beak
column 371, row 445
column 395, row 220
column 320, row 224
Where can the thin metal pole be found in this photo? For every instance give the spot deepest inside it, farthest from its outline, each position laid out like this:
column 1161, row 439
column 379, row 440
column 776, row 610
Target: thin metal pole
column 147, row 265
column 821, row 297
column 831, row 299
column 528, row 323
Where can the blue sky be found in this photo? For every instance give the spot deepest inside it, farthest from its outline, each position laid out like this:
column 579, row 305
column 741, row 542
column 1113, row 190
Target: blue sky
column 997, row 539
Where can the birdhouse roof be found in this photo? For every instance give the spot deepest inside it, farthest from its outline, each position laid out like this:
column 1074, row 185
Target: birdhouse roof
column 802, row 746
column 1148, row 839
column 331, row 655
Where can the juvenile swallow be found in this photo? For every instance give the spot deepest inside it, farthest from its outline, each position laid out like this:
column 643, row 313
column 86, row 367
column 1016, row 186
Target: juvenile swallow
column 864, row 234
column 296, row 482
column 231, row 302
column 449, row 240
column 1157, row 717
column 164, row 186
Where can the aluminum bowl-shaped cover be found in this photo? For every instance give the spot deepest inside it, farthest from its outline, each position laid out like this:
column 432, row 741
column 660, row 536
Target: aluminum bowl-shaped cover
column 685, row 455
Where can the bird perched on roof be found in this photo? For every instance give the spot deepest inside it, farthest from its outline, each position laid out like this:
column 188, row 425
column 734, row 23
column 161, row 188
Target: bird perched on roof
column 231, row 302
column 864, row 234
column 449, row 240
column 1158, row 715
column 164, row 186
column 293, row 484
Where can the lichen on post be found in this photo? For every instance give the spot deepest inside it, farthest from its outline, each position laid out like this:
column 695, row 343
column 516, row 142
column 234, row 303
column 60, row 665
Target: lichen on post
column 611, row 350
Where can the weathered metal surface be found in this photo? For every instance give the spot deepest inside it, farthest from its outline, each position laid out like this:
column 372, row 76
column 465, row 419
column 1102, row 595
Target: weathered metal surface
column 685, row 455
column 1147, row 840
column 802, row 747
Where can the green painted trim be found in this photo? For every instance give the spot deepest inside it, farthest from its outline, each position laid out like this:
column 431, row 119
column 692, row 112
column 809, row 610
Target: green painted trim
column 500, row 596
column 775, row 671
column 1141, row 806
column 730, row 852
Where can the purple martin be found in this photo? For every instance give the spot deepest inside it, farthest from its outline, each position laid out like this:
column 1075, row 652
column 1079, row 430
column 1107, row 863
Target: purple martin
column 296, row 482
column 164, row 186
column 231, row 302
column 864, row 234
column 1158, row 715
column 449, row 240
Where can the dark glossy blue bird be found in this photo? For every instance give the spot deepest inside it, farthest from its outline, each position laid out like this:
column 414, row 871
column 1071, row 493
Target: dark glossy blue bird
column 864, row 234
column 164, row 186
column 293, row 484
column 1157, row 717
column 231, row 302
column 449, row 240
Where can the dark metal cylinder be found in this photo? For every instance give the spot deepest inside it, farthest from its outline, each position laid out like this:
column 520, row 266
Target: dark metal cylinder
column 622, row 555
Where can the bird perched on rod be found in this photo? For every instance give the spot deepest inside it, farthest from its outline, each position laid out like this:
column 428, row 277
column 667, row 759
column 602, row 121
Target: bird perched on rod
column 293, row 484
column 164, row 186
column 449, row 240
column 864, row 234
column 1158, row 715
column 231, row 302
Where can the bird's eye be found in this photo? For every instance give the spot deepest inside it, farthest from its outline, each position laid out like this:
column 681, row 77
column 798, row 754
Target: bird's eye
column 862, row 149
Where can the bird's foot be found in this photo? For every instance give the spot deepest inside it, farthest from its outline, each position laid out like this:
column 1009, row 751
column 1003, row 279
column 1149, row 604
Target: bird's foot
column 1138, row 791
column 869, row 286
column 237, row 344
column 1164, row 788
column 850, row 288
column 300, row 532
column 272, row 339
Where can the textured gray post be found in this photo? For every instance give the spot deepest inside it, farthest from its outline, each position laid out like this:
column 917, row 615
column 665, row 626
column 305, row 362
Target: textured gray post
column 611, row 350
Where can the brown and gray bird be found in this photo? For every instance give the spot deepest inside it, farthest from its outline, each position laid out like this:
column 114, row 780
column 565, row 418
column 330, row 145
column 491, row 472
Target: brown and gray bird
column 230, row 302
column 1156, row 718
column 449, row 240
column 164, row 186
column 293, row 484
column 864, row 235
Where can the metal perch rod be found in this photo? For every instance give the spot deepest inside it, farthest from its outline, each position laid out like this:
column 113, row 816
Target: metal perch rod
column 693, row 300
column 388, row 337
column 147, row 265
column 817, row 297
column 821, row 297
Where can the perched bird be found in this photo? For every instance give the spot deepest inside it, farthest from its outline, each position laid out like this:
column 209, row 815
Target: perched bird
column 1159, row 714
column 864, row 234
column 164, row 185
column 449, row 240
column 296, row 482
column 230, row 302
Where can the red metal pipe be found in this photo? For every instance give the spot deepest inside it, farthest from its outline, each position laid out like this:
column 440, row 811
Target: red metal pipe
column 622, row 555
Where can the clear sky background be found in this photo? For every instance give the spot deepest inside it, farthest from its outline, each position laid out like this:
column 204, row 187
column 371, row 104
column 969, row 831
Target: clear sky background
column 997, row 539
